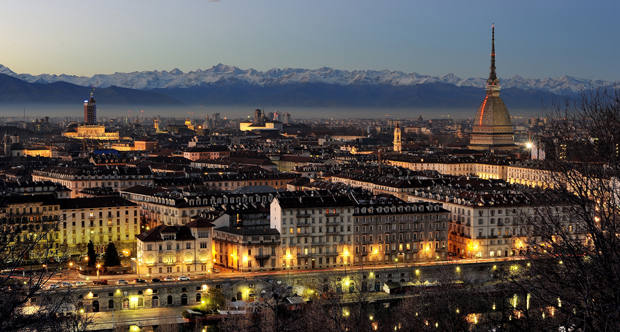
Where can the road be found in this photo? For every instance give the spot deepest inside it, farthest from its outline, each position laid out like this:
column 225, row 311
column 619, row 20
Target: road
column 71, row 275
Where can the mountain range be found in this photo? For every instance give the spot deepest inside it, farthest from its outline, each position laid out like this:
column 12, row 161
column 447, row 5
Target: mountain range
column 229, row 85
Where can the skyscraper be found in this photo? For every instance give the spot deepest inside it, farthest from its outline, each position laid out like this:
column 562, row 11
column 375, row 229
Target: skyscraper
column 90, row 110
column 492, row 125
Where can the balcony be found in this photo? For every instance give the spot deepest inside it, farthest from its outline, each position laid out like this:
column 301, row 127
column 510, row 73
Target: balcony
column 332, row 214
column 263, row 256
column 302, row 215
column 332, row 233
column 303, row 256
column 332, row 223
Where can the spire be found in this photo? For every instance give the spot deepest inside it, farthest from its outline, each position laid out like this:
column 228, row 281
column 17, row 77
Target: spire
column 492, row 82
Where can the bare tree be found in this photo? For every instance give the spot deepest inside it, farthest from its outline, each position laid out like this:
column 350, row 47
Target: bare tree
column 28, row 255
column 574, row 230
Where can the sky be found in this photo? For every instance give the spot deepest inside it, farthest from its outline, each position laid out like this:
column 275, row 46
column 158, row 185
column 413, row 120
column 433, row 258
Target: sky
column 534, row 39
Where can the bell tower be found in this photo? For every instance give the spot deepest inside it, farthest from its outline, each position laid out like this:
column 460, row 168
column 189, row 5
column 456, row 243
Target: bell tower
column 398, row 147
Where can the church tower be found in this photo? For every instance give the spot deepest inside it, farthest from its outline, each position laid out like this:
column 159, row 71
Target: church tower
column 492, row 125
column 90, row 111
column 398, row 147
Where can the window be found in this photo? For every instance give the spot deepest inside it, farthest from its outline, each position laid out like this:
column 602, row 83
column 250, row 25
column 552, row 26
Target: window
column 203, row 245
column 188, row 245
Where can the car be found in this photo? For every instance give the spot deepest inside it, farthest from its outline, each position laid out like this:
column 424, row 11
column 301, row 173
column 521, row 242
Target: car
column 155, row 280
column 66, row 284
column 183, row 278
column 80, row 283
column 100, row 282
column 139, row 281
column 216, row 270
column 168, row 279
column 52, row 286
column 122, row 282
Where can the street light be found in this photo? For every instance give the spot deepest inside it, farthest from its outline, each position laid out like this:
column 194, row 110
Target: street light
column 98, row 266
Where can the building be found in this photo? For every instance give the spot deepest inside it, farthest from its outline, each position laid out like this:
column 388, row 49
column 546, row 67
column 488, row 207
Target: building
column 79, row 178
column 398, row 145
column 28, row 217
column 90, row 111
column 210, row 152
column 176, row 250
column 492, row 127
column 391, row 231
column 102, row 220
column 247, row 249
column 162, row 207
column 92, row 132
column 145, row 144
column 316, row 230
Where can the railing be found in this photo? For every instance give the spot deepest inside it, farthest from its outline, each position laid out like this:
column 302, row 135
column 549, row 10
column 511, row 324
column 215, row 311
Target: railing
column 332, row 214
column 303, row 215
column 332, row 223
column 263, row 256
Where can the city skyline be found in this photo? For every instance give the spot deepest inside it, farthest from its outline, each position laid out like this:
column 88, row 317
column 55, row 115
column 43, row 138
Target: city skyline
column 536, row 40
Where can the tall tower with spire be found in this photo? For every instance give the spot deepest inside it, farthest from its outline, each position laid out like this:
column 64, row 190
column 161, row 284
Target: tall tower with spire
column 398, row 146
column 492, row 128
column 90, row 110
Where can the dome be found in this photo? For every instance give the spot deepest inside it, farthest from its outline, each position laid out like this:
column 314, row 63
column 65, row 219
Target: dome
column 492, row 112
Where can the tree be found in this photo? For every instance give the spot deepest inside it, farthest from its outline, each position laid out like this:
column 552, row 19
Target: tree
column 27, row 305
column 111, row 256
column 574, row 232
column 92, row 256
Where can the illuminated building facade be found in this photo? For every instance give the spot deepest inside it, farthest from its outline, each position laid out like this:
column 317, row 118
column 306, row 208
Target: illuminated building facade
column 176, row 250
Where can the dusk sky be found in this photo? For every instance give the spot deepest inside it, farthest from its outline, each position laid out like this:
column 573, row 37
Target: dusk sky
column 534, row 39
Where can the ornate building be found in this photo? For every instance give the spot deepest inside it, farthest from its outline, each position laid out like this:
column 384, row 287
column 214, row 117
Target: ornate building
column 398, row 147
column 492, row 126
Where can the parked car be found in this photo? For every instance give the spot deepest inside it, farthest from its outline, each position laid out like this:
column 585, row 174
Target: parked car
column 100, row 282
column 139, row 281
column 122, row 282
column 168, row 279
column 52, row 286
column 80, row 283
column 155, row 280
column 183, row 278
column 216, row 270
column 66, row 284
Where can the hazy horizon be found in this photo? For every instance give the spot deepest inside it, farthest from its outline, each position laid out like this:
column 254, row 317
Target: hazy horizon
column 35, row 111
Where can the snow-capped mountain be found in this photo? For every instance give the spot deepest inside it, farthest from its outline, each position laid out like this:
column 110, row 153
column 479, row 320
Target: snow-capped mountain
column 230, row 76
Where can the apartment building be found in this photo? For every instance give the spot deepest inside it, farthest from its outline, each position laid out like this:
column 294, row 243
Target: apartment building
column 316, row 231
column 160, row 206
column 208, row 152
column 176, row 250
column 487, row 224
column 247, row 249
column 391, row 231
column 102, row 220
column 79, row 178
column 32, row 219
